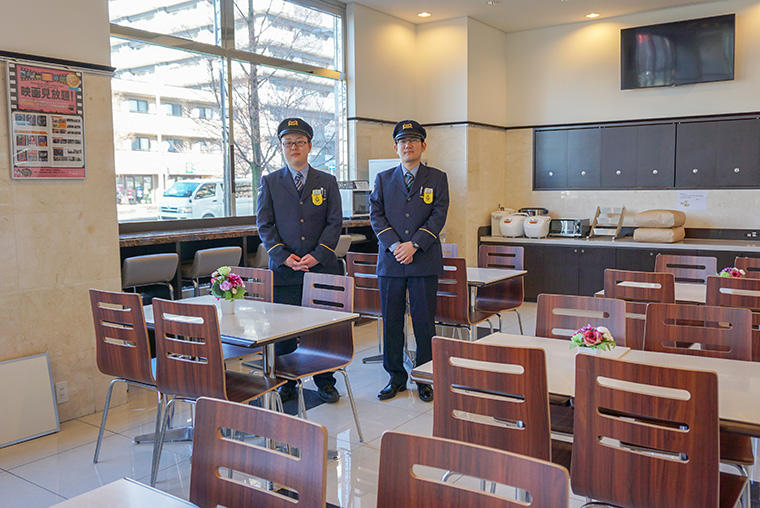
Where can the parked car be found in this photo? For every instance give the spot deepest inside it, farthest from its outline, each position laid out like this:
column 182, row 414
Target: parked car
column 192, row 199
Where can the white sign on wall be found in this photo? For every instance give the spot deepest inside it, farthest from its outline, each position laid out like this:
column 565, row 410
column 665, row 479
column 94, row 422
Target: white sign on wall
column 692, row 200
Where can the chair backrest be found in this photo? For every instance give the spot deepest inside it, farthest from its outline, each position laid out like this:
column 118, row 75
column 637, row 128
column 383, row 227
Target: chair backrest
column 399, row 485
column 637, row 427
column 327, row 291
column 559, row 316
column 259, row 259
column 258, row 282
column 452, row 305
column 449, row 250
column 510, row 387
column 749, row 265
column 500, row 256
column 205, row 261
column 344, row 243
column 743, row 293
column 363, row 268
column 188, row 350
column 121, row 339
column 148, row 269
column 638, row 289
column 699, row 330
column 694, row 269
column 305, row 474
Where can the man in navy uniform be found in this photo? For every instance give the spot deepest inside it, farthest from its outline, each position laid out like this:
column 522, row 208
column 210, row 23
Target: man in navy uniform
column 299, row 218
column 408, row 209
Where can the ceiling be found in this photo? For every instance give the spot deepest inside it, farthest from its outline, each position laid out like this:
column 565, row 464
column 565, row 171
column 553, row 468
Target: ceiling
column 515, row 15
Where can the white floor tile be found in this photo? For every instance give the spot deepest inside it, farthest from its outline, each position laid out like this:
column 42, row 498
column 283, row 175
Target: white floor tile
column 17, row 492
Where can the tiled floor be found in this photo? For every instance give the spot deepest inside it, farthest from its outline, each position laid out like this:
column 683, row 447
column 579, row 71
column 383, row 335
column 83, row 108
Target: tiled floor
column 46, row 470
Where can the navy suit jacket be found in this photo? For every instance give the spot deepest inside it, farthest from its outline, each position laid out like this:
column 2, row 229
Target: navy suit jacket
column 398, row 215
column 290, row 223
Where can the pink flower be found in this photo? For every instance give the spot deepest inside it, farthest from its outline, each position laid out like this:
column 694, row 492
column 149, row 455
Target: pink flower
column 235, row 279
column 225, row 286
column 591, row 337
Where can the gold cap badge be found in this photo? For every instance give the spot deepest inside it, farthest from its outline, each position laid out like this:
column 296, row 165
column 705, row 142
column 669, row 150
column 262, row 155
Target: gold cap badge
column 292, row 122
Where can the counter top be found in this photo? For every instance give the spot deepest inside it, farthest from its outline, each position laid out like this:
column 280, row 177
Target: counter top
column 628, row 242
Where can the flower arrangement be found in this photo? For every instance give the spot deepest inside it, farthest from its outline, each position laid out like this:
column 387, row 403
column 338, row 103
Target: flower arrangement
column 598, row 338
column 226, row 285
column 732, row 272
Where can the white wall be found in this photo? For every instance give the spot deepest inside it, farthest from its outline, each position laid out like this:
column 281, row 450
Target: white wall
column 571, row 73
column 486, row 74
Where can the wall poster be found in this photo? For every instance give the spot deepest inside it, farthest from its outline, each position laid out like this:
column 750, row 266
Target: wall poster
column 46, row 122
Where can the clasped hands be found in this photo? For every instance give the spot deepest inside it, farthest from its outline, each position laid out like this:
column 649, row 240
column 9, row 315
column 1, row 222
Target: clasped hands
column 301, row 264
column 404, row 252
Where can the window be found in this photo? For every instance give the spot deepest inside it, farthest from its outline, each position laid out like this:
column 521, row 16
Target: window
column 138, row 106
column 141, row 144
column 207, row 190
column 279, row 58
column 172, row 109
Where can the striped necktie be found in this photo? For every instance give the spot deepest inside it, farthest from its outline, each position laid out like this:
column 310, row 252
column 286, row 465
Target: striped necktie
column 408, row 178
column 299, row 181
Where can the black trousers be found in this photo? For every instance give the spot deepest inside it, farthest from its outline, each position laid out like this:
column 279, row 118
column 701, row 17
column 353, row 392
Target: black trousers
column 291, row 295
column 422, row 301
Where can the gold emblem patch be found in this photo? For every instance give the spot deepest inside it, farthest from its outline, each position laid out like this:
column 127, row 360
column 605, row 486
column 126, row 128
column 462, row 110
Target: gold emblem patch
column 291, row 123
column 316, row 197
column 427, row 196
column 406, row 126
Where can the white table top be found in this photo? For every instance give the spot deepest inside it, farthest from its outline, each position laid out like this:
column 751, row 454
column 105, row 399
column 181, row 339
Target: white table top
column 125, row 493
column 486, row 276
column 255, row 323
column 685, row 292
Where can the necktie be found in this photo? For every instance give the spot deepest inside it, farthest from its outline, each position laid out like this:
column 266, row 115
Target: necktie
column 299, row 182
column 409, row 178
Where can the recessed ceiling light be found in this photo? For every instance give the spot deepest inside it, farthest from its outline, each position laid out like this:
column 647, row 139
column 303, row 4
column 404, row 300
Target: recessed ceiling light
column 492, row 3
column 592, row 15
column 424, row 14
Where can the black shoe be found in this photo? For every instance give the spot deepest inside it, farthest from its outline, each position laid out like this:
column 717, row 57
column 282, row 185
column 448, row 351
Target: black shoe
column 426, row 393
column 328, row 394
column 287, row 392
column 390, row 391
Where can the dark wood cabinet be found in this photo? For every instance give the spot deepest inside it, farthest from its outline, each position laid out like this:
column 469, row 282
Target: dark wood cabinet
column 583, row 158
column 550, row 270
column 550, row 159
column 619, row 157
column 592, row 261
column 696, row 154
column 655, row 157
column 738, row 162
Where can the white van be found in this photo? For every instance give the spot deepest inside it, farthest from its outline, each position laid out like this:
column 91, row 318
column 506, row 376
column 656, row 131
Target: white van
column 192, row 199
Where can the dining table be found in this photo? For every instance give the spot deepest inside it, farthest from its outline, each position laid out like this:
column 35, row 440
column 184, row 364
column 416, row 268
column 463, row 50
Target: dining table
column 481, row 277
column 125, row 493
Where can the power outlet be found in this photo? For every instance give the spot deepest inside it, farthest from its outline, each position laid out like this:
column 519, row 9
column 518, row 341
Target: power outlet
column 62, row 392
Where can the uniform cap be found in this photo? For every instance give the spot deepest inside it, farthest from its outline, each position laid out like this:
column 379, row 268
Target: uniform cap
column 294, row 125
column 409, row 129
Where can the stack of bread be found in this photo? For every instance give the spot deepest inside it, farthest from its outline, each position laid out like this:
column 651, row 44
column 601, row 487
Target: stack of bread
column 664, row 226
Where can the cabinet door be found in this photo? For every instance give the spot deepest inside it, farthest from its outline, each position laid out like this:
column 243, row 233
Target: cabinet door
column 619, row 157
column 696, row 154
column 656, row 152
column 550, row 270
column 592, row 261
column 583, row 158
column 534, row 263
column 738, row 154
column 642, row 260
column 550, row 159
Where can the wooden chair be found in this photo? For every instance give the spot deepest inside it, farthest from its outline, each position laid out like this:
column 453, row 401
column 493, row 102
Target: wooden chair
column 363, row 268
column 749, row 265
column 122, row 349
column 502, row 404
column 659, row 287
column 721, row 292
column 305, row 474
column 398, row 485
column 690, row 269
column 323, row 351
column 190, row 364
column 672, row 435
column 453, row 299
column 507, row 295
column 258, row 282
column 449, row 250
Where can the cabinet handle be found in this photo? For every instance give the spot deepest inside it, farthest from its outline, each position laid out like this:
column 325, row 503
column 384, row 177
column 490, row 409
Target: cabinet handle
column 551, row 173
column 575, row 251
column 618, row 172
column 654, row 171
column 736, row 170
column 583, row 173
column 695, row 171
column 583, row 251
column 651, row 254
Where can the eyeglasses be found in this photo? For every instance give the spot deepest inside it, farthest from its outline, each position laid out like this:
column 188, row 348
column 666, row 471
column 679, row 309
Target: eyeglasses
column 408, row 141
column 292, row 144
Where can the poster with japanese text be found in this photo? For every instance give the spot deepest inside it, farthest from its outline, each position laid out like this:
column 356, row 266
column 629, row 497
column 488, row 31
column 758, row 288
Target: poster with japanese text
column 46, row 122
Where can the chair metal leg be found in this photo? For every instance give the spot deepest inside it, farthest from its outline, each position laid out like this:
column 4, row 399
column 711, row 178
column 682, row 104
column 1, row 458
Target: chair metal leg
column 301, row 401
column 171, row 290
column 377, row 358
column 196, row 288
column 353, row 405
column 105, row 415
column 160, row 438
column 159, row 417
column 500, row 321
column 519, row 321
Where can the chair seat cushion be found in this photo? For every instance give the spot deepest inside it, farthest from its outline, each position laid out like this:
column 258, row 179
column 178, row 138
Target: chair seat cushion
column 736, row 449
column 244, row 387
column 305, row 362
column 731, row 487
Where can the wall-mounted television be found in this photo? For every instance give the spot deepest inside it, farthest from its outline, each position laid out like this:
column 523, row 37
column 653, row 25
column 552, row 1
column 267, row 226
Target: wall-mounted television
column 680, row 53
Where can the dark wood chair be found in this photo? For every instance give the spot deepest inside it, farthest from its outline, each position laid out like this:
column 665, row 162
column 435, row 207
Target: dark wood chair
column 453, row 299
column 398, row 485
column 719, row 292
column 661, row 290
column 509, row 294
column 323, row 351
column 122, row 349
column 749, row 265
column 305, row 474
column 190, row 364
column 502, row 404
column 668, row 434
column 258, row 282
column 363, row 268
column 690, row 269
column 450, row 250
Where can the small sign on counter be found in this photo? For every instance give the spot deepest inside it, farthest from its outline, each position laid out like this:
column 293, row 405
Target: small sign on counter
column 692, row 200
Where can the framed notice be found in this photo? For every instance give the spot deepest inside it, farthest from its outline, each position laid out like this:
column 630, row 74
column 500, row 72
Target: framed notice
column 46, row 122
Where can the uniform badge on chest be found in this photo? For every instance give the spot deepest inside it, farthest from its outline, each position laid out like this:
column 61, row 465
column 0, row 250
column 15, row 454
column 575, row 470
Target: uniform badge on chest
column 427, row 195
column 317, row 196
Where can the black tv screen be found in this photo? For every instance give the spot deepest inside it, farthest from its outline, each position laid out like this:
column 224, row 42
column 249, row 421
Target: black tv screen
column 671, row 54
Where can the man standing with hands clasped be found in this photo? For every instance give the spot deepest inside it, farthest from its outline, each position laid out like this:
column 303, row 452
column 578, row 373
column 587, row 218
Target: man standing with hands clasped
column 299, row 219
column 408, row 209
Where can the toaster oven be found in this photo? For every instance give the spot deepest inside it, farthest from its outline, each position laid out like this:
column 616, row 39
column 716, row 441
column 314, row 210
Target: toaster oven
column 569, row 227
